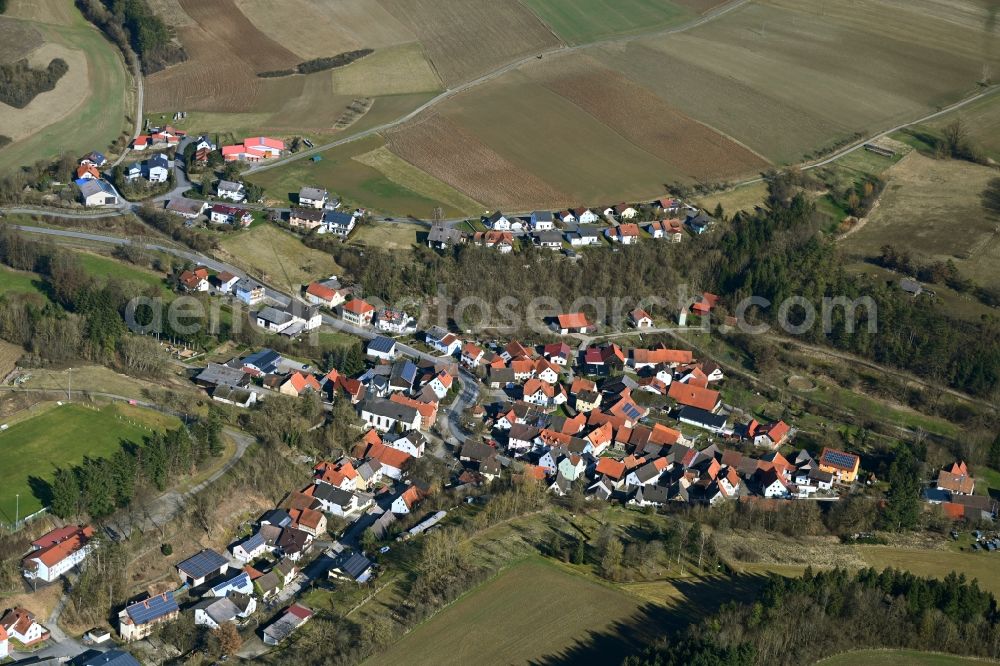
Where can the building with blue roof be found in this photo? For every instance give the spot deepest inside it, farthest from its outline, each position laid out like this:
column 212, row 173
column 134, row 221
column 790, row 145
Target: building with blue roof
column 201, row 566
column 249, row 549
column 110, row 658
column 382, row 348
column 240, row 583
column 137, row 621
column 264, row 361
column 96, row 192
column 337, row 223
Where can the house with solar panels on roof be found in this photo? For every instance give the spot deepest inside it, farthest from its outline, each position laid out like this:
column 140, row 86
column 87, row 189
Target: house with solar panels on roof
column 239, row 583
column 137, row 621
column 844, row 466
column 198, row 568
column 249, row 549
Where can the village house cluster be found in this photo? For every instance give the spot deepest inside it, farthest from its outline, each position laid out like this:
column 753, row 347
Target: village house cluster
column 579, row 227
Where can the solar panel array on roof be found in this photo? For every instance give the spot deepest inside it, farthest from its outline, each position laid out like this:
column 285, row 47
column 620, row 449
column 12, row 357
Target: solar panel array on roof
column 632, row 411
column 150, row 609
column 202, row 564
column 839, row 459
column 252, row 542
column 381, row 344
column 239, row 583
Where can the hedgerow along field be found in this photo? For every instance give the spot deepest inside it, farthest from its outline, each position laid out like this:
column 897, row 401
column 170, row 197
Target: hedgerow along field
column 61, row 436
column 87, row 109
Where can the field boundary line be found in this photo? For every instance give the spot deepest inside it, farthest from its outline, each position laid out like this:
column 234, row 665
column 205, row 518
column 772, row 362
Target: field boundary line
column 489, row 76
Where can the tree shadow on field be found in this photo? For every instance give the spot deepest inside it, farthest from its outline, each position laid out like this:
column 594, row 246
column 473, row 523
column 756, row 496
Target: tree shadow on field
column 41, row 489
column 701, row 597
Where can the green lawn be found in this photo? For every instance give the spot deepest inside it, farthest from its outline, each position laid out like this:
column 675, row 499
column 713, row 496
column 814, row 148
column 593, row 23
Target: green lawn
column 63, row 436
column 894, row 657
column 532, row 610
column 12, row 281
column 105, row 267
column 581, row 21
column 357, row 183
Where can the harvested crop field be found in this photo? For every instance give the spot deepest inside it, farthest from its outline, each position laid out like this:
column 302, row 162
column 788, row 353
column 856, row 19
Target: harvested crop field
column 930, row 208
column 452, row 154
column 467, row 38
column 581, row 21
column 86, row 110
column 17, row 39
column 807, row 74
column 334, row 26
column 51, row 106
column 233, row 33
column 646, row 120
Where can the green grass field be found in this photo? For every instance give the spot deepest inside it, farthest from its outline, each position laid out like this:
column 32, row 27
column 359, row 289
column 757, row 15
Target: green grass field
column 12, row 282
column 360, row 184
column 532, row 610
column 895, row 657
column 63, row 436
column 97, row 119
column 107, row 268
column 936, row 563
column 582, row 21
column 279, row 255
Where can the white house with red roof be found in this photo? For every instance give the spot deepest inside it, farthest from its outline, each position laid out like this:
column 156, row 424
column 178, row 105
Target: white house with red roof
column 19, row 624
column 358, row 312
column 57, row 552
column 573, row 322
column 318, row 293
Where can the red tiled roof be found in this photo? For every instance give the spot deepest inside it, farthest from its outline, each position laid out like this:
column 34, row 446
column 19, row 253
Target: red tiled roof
column 321, row 291
column 265, row 141
column 611, row 468
column 61, row 544
column 358, row 306
column 661, row 355
column 573, row 320
column 694, row 396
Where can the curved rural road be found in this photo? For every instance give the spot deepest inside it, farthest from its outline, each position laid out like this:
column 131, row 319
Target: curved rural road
column 489, row 76
column 140, row 93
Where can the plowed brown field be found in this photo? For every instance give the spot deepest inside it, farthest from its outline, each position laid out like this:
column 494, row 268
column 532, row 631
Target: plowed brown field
column 451, row 154
column 466, row 38
column 646, row 120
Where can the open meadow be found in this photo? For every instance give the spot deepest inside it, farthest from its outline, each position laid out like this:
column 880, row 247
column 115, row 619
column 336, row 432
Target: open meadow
column 532, row 610
column 276, row 256
column 87, row 109
column 61, row 436
column 365, row 173
column 930, row 208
